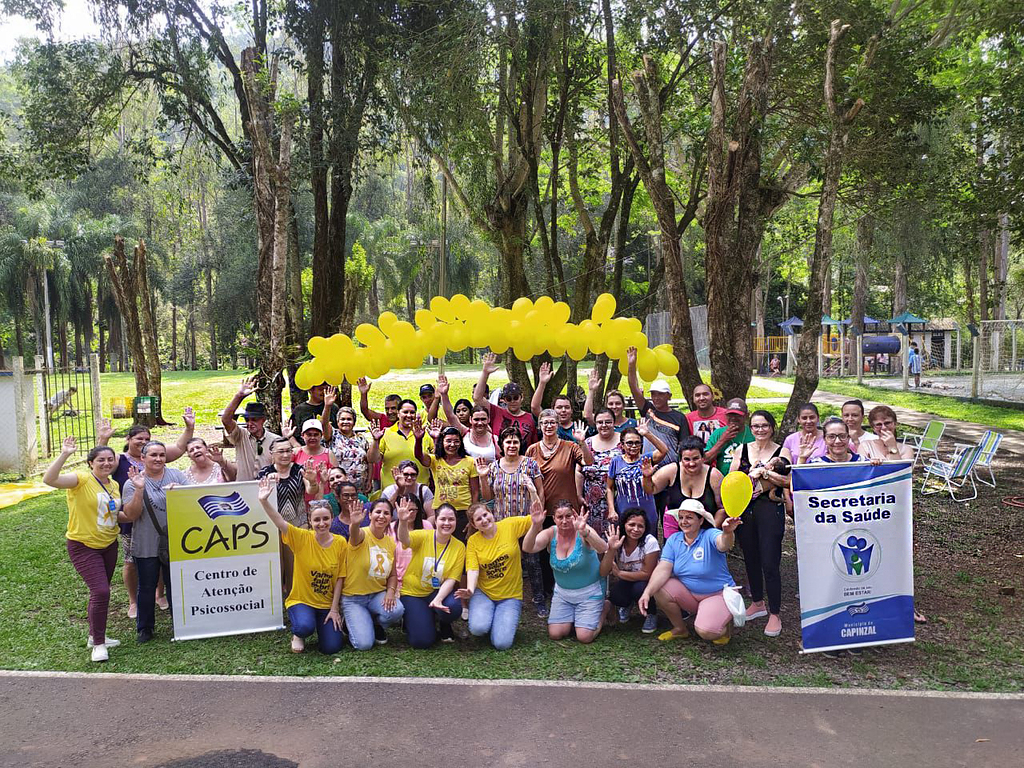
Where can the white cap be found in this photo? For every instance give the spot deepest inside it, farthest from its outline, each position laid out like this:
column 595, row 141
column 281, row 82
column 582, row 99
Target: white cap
column 660, row 385
column 693, row 505
column 313, row 424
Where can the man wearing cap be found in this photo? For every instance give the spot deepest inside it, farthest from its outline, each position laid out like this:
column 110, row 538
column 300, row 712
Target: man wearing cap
column 252, row 444
column 510, row 415
column 670, row 425
column 723, row 441
column 707, row 417
column 311, row 409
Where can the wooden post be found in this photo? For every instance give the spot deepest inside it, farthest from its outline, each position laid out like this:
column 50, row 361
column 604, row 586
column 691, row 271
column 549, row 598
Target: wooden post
column 790, row 353
column 821, row 354
column 23, row 419
column 906, row 360
column 842, row 351
column 94, row 381
column 41, row 417
column 976, row 367
column 958, row 363
column 859, row 341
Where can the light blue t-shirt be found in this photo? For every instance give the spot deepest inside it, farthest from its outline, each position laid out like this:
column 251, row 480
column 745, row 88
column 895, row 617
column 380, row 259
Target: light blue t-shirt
column 700, row 566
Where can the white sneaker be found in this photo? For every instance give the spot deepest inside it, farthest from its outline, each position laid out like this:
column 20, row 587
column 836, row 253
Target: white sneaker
column 99, row 653
column 109, row 642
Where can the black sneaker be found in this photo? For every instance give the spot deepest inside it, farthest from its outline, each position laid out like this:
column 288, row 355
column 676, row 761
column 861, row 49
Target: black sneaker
column 143, row 636
column 445, row 633
column 380, row 637
column 542, row 610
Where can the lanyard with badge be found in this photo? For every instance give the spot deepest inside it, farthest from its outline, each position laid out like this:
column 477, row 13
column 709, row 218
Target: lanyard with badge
column 435, row 581
column 111, row 504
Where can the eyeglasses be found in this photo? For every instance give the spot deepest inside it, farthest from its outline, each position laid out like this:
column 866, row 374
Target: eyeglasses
column 760, row 426
column 410, row 475
column 633, row 443
column 836, row 438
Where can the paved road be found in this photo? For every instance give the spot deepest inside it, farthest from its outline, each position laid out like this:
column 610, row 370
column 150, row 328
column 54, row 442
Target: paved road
column 119, row 720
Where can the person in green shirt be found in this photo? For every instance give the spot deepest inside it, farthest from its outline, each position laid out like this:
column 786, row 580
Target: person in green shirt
column 722, row 442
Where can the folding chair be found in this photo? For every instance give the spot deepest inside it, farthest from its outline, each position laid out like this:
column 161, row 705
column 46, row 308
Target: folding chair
column 989, row 445
column 929, row 441
column 952, row 475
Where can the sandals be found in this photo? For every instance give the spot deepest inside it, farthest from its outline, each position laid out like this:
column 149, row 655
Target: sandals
column 671, row 635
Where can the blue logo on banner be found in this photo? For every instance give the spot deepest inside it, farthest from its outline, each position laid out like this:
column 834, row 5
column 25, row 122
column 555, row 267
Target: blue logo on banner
column 215, row 506
column 856, row 610
column 857, row 555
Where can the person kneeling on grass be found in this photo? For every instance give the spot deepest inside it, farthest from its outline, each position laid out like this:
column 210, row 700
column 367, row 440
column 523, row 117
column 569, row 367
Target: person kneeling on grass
column 93, row 503
column 578, row 598
column 692, row 574
column 312, row 604
column 494, row 575
column 438, row 559
column 631, row 558
column 369, row 596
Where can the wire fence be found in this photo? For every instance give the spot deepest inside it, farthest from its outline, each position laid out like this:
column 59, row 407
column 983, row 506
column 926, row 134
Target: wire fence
column 658, row 329
column 66, row 407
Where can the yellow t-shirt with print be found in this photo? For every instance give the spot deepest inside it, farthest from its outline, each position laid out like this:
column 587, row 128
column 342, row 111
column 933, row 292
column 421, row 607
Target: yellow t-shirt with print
column 368, row 565
column 91, row 521
column 430, row 560
column 451, row 482
column 499, row 559
column 317, row 568
column 395, row 447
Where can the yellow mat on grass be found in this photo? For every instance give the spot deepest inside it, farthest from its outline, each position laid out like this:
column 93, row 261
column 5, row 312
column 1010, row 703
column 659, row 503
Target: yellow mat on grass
column 15, row 493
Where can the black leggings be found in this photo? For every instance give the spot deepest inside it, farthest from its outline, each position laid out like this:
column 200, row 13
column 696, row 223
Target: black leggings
column 760, row 536
column 622, row 594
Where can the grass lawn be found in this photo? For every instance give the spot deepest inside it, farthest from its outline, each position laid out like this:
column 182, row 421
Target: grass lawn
column 964, row 555
column 939, row 405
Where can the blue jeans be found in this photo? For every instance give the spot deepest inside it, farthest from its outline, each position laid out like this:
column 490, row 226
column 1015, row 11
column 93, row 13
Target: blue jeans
column 149, row 569
column 360, row 613
column 421, row 620
column 624, row 594
column 499, row 618
column 305, row 620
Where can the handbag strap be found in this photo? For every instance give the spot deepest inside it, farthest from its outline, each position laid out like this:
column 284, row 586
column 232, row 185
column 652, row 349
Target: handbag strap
column 152, row 515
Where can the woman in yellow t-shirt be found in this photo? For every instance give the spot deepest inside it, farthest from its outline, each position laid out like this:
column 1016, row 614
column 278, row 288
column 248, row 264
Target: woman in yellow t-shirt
column 313, row 600
column 369, row 597
column 438, row 559
column 456, row 480
column 494, row 575
column 93, row 504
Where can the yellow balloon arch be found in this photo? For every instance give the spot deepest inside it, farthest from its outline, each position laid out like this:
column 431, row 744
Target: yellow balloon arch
column 451, row 325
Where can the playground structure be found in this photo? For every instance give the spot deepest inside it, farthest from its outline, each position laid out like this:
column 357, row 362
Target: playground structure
column 983, row 361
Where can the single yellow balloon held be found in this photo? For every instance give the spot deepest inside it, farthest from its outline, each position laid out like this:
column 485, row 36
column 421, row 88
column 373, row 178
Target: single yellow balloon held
column 737, row 490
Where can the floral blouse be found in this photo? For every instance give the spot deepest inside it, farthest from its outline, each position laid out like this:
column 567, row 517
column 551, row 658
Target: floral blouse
column 350, row 455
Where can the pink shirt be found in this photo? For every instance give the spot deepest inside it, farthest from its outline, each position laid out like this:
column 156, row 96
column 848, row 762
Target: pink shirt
column 793, row 444
column 324, row 457
column 703, row 427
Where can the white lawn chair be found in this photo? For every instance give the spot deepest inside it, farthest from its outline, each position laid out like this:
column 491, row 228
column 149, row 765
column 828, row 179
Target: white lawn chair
column 951, row 476
column 927, row 442
column 989, row 445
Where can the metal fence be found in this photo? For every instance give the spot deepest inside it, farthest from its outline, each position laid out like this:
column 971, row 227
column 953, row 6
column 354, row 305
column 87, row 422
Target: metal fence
column 658, row 328
column 67, row 405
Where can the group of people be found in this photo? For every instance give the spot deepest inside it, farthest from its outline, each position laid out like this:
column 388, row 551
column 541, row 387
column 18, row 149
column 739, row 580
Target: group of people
column 438, row 511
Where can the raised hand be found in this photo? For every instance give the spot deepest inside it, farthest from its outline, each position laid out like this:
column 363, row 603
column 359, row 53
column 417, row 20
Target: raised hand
column 364, row 385
column 70, row 445
column 287, row 431
column 330, row 397
column 647, row 467
column 730, row 524
column 376, row 430
column 310, row 475
column 545, row 373
column 537, row 514
column 356, row 513
column 807, row 445
column 247, row 387
column 189, row 416
column 490, row 364
column 136, row 478
column 406, row 511
column 215, row 453
column 631, row 355
column 579, row 522
column 614, row 539
column 483, row 466
column 443, row 386
column 104, row 430
column 417, row 427
column 436, row 425
column 579, row 431
column 642, row 428
column 266, row 487
column 593, row 380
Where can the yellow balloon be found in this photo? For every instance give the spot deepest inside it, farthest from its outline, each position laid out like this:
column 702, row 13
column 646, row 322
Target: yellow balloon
column 545, row 305
column 386, row 321
column 402, row 331
column 369, row 335
column 317, row 345
column 578, row 349
column 460, row 306
column 437, row 340
column 478, row 311
column 638, row 340
column 521, row 306
column 425, row 318
column 479, row 334
column 667, row 362
column 442, row 309
column 623, row 366
column 523, row 352
column 647, row 364
column 736, row 492
column 633, row 324
column 604, row 308
column 305, row 376
column 560, row 313
column 458, row 337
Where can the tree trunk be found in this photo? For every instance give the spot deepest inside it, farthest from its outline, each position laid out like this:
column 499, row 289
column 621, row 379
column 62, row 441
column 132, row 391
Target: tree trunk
column 984, row 249
column 125, row 287
column 19, row 338
column 1002, row 265
column 210, row 315
column 192, row 333
column 174, row 337
column 102, row 349
column 147, row 316
column 862, row 254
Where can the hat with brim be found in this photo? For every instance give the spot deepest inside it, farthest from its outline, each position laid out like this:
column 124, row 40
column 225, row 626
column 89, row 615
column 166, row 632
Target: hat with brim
column 312, row 424
column 255, row 410
column 660, row 385
column 692, row 505
column 736, row 407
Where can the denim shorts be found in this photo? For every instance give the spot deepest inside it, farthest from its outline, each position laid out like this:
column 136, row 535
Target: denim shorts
column 580, row 607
